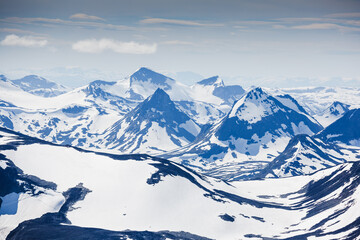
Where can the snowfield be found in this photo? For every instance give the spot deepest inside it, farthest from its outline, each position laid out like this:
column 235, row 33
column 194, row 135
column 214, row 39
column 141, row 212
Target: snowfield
column 141, row 193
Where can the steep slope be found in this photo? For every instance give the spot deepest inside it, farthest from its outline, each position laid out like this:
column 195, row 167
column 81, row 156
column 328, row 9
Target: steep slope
column 344, row 130
column 290, row 102
column 40, row 86
column 255, row 131
column 144, row 82
column 155, row 125
column 157, row 199
column 327, row 200
column 20, row 192
column 306, row 155
column 335, row 111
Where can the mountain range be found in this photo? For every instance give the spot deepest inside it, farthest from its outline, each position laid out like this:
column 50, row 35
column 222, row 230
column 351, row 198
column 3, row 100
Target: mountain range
column 254, row 132
column 147, row 157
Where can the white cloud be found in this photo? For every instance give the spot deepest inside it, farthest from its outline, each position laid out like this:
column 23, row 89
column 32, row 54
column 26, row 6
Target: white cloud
column 84, row 16
column 16, row 30
column 98, row 46
column 345, row 15
column 57, row 21
column 178, row 22
column 256, row 22
column 25, row 41
column 323, row 26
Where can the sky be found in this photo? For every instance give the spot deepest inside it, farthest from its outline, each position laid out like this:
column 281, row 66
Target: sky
column 278, row 43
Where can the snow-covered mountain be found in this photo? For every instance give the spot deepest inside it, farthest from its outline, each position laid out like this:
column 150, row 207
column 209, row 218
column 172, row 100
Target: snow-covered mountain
column 305, row 155
column 211, row 89
column 254, row 132
column 40, row 86
column 72, row 193
column 316, row 99
column 335, row 111
column 144, row 82
column 155, row 125
column 202, row 102
column 345, row 130
column 73, row 118
column 79, row 116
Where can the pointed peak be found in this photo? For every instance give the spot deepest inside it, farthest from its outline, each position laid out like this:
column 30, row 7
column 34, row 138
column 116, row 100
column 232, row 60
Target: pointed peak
column 145, row 74
column 256, row 93
column 144, row 70
column 160, row 91
column 158, row 103
column 257, row 89
column 215, row 81
column 337, row 108
column 160, row 94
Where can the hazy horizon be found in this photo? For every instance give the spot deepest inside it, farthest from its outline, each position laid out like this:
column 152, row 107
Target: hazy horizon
column 279, row 43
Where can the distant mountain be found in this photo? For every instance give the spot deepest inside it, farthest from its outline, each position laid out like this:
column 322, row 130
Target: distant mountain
column 199, row 103
column 316, row 99
column 344, row 130
column 73, row 118
column 335, row 111
column 255, row 131
column 215, row 86
column 95, row 88
column 155, row 125
column 3, row 78
column 40, row 86
column 303, row 155
column 78, row 116
column 144, row 75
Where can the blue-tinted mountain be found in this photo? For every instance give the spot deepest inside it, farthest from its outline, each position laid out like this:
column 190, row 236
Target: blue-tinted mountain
column 290, row 102
column 148, row 75
column 154, row 125
column 255, row 131
column 3, row 78
column 335, row 111
column 96, row 90
column 338, row 109
column 344, row 130
column 303, row 155
column 40, row 86
column 212, row 81
column 260, row 113
column 215, row 85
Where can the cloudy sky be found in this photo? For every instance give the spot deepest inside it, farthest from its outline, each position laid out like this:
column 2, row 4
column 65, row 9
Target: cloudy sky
column 281, row 42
